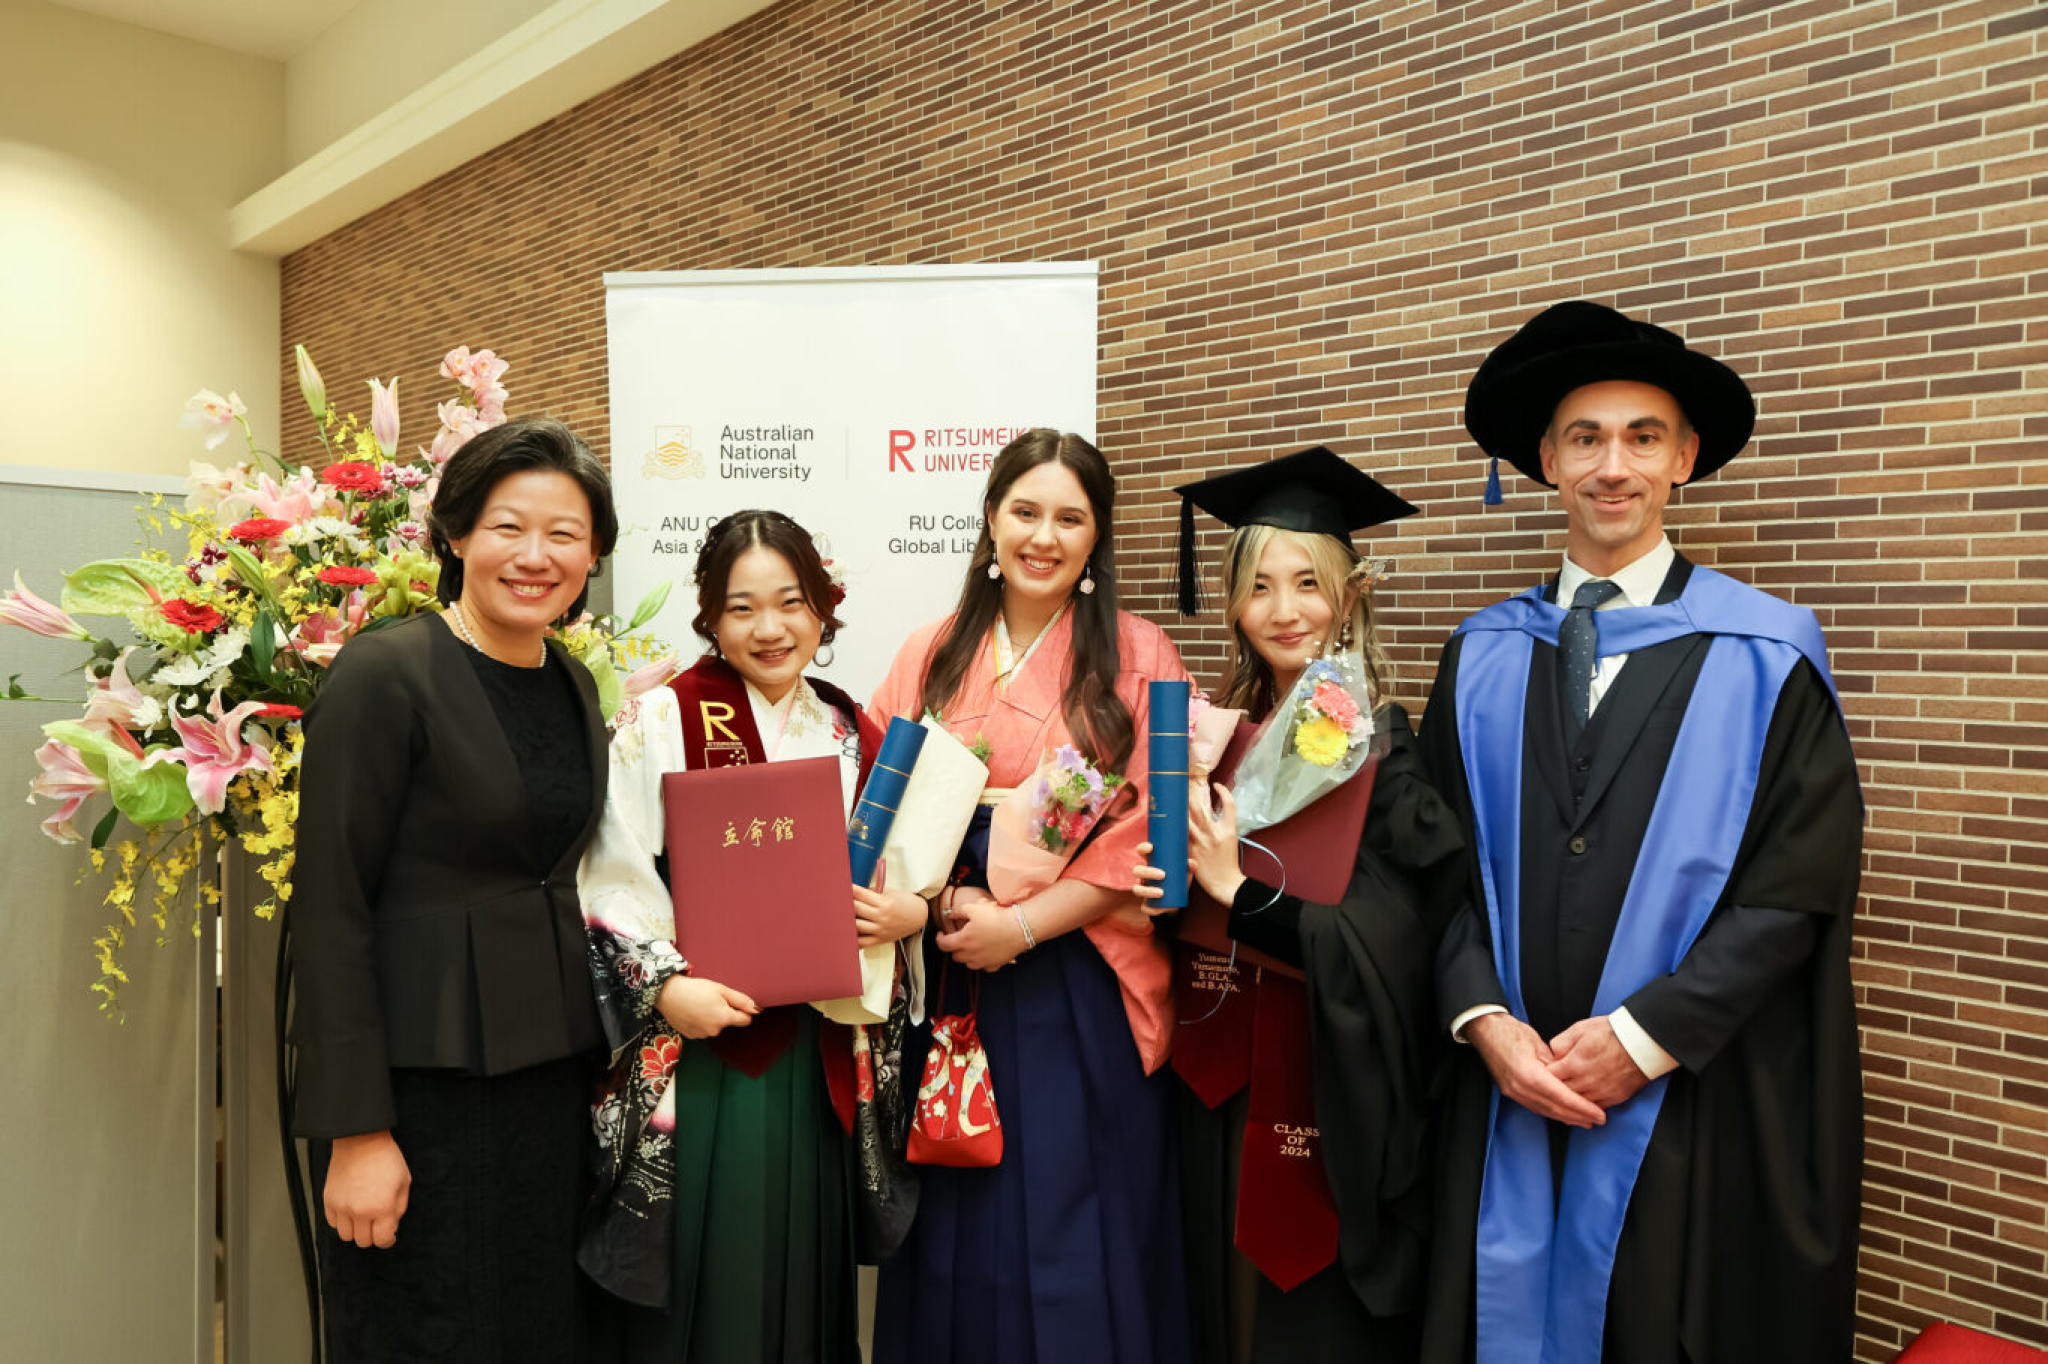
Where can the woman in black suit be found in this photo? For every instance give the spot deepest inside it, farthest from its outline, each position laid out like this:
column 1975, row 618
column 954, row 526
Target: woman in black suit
column 454, row 770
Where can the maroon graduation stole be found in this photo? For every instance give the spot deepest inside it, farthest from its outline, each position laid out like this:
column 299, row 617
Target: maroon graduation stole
column 1242, row 1023
column 1286, row 1217
column 719, row 731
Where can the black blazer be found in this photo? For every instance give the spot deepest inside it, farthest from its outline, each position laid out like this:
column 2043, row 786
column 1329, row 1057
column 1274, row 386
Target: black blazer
column 424, row 930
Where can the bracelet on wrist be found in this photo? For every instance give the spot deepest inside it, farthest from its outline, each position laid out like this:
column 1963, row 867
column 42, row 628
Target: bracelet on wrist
column 1030, row 938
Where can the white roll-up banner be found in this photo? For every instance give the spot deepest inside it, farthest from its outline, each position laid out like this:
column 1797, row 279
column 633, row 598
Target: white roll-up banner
column 867, row 403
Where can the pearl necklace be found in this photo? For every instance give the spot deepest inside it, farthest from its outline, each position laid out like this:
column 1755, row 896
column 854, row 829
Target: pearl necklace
column 462, row 628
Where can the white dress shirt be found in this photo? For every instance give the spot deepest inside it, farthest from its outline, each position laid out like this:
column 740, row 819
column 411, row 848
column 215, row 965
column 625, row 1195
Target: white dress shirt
column 1639, row 582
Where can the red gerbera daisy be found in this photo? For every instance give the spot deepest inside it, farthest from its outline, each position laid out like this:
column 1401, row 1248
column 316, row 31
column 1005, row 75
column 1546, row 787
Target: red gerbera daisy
column 257, row 529
column 346, row 575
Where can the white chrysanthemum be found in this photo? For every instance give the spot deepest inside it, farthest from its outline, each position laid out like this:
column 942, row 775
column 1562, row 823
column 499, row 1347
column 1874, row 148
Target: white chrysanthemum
column 198, row 669
column 318, row 529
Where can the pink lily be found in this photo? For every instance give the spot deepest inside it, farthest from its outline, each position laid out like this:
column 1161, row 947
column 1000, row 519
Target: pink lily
column 214, row 753
column 122, row 706
column 67, row 780
column 384, row 416
column 24, row 608
column 649, row 676
column 298, row 499
column 320, row 636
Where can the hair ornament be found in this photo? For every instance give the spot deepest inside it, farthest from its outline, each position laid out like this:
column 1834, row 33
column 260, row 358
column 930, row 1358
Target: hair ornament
column 833, row 572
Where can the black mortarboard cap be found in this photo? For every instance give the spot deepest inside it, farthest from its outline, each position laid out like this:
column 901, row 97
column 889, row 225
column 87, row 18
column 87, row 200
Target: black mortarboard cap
column 1311, row 490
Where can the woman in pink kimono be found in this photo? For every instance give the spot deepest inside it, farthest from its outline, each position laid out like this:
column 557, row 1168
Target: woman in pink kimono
column 1068, row 1251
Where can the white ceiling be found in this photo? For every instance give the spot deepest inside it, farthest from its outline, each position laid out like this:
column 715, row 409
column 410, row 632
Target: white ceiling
column 273, row 29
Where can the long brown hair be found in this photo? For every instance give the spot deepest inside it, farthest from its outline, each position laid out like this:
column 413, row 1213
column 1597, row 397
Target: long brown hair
column 1250, row 685
column 1095, row 715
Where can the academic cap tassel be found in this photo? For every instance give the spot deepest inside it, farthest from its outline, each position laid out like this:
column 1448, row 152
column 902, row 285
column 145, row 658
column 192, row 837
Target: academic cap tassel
column 1493, row 497
column 1190, row 588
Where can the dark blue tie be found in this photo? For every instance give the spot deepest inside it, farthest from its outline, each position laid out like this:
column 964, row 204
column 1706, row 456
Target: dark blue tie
column 1577, row 652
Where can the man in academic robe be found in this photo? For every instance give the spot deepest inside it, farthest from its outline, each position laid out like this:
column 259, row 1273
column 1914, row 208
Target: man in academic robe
column 1653, row 1141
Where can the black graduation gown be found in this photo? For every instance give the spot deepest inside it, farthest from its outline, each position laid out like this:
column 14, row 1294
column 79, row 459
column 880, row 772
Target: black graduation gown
column 1367, row 965
column 1739, row 1245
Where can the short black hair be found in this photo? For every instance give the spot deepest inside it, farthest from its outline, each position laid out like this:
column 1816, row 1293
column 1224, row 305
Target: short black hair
column 522, row 445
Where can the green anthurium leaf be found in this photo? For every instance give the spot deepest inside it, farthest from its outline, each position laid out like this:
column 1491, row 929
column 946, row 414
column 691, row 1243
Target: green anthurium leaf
column 92, row 744
column 650, row 605
column 114, row 587
column 104, row 830
column 147, row 795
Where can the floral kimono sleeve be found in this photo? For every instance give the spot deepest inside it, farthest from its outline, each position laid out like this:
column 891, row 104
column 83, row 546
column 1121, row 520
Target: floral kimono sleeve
column 628, row 917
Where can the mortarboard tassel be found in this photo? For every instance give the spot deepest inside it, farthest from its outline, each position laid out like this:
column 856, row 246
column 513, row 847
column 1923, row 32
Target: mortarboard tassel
column 1190, row 588
column 1493, row 497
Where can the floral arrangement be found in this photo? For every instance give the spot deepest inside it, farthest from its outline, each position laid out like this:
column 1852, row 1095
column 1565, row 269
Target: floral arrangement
column 191, row 724
column 1067, row 797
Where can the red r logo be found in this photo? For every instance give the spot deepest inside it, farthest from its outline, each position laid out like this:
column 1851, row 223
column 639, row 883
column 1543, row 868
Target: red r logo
column 900, row 443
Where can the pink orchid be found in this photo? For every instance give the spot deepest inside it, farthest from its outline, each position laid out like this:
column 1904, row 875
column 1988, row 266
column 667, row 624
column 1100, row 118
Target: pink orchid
column 384, row 416
column 24, row 608
column 476, row 372
column 212, row 415
column 214, row 753
column 490, row 403
column 299, row 498
column 121, row 705
column 320, row 636
column 458, row 424
column 67, row 780
column 649, row 676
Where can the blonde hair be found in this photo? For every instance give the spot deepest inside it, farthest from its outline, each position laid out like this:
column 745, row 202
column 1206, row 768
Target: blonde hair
column 1331, row 559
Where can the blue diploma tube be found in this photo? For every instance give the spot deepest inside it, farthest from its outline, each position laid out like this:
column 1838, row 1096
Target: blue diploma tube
column 868, row 830
column 1166, row 815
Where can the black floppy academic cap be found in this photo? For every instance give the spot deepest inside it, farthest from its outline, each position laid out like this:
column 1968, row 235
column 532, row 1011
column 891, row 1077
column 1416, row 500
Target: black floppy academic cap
column 1570, row 345
column 1309, row 490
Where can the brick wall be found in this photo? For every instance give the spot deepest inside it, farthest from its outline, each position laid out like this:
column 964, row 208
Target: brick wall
column 1313, row 218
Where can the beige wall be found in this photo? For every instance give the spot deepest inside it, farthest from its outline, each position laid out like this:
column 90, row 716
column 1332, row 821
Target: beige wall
column 378, row 53
column 121, row 151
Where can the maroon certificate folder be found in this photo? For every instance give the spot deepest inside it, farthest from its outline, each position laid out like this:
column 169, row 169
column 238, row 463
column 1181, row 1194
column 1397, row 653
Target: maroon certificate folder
column 758, row 871
column 1315, row 850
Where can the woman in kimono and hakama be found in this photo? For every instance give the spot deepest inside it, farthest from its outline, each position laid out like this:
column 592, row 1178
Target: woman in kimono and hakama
column 1364, row 1007
column 722, row 1227
column 1068, row 1250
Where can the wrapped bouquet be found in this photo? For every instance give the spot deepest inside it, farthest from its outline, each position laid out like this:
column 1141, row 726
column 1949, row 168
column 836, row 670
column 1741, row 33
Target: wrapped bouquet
column 1037, row 828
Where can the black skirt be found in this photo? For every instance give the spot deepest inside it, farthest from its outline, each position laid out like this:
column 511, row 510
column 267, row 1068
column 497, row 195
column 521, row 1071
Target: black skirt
column 484, row 1268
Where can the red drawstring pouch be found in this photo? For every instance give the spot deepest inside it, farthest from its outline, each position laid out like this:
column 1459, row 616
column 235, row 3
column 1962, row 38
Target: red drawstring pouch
column 955, row 1121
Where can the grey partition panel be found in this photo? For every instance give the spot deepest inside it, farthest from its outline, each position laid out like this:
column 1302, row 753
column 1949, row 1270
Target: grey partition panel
column 104, row 1257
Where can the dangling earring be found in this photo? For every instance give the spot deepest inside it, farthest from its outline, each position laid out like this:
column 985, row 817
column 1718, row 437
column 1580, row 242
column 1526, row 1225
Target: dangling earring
column 1087, row 584
column 995, row 574
column 824, row 656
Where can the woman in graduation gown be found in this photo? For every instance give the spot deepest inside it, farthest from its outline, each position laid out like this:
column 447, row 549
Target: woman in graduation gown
column 1068, row 1250
column 722, row 1226
column 1363, row 1005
